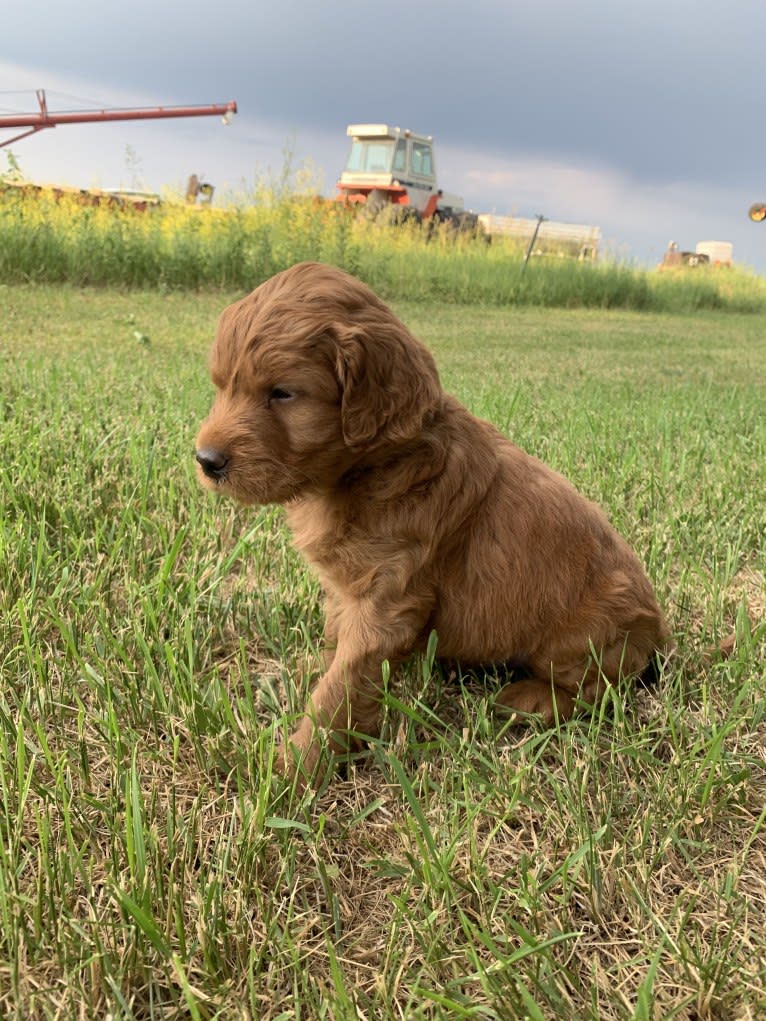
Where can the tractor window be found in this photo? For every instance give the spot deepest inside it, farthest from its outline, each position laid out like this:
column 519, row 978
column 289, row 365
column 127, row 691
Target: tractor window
column 371, row 157
column 422, row 159
column 400, row 157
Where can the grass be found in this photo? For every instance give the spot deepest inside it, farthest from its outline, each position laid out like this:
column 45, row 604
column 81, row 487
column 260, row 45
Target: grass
column 51, row 238
column 153, row 642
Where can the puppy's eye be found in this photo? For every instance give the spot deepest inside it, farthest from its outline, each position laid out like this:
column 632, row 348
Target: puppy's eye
column 278, row 393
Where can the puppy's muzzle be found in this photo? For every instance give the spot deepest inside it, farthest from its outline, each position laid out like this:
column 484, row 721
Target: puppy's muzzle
column 212, row 462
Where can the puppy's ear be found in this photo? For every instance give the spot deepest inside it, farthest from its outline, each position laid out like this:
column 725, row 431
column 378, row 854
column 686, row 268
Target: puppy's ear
column 389, row 383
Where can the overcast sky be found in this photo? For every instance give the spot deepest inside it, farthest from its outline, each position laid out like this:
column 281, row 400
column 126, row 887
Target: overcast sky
column 644, row 118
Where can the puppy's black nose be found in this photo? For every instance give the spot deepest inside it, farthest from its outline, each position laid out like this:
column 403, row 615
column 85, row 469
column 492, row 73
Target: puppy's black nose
column 213, row 462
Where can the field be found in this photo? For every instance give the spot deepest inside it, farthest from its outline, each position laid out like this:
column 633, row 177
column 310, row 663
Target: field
column 153, row 641
column 50, row 238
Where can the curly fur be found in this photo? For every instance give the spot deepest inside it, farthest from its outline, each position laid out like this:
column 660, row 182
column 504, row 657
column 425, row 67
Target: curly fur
column 416, row 516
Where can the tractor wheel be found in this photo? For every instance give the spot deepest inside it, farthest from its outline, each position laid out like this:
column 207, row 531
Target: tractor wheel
column 757, row 212
column 394, row 215
column 440, row 219
column 372, row 208
column 405, row 214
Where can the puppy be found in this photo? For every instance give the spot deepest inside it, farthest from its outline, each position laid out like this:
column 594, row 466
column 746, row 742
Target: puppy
column 416, row 516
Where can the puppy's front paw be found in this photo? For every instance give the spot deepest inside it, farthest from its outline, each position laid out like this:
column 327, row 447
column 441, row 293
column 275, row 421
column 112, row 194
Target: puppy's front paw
column 302, row 760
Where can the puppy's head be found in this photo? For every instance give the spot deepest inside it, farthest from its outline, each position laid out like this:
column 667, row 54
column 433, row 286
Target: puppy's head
column 313, row 374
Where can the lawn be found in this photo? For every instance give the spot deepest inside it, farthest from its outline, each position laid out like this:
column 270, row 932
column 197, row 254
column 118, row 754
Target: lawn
column 154, row 641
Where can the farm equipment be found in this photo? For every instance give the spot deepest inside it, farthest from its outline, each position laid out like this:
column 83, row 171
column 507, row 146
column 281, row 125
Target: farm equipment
column 706, row 253
column 675, row 258
column 46, row 119
column 390, row 169
column 545, row 237
column 199, row 192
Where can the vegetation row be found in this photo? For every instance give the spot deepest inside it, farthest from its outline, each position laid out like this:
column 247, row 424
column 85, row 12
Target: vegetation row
column 47, row 237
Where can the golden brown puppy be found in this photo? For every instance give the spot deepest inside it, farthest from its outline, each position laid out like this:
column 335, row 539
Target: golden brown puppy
column 416, row 516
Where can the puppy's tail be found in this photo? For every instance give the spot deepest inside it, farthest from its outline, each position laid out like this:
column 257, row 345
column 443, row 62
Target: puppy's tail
column 724, row 649
column 743, row 634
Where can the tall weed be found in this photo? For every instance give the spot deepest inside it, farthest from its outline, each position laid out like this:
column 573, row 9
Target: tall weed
column 47, row 236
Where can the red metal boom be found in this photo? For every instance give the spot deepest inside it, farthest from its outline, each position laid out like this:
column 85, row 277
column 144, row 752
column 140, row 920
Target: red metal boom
column 45, row 119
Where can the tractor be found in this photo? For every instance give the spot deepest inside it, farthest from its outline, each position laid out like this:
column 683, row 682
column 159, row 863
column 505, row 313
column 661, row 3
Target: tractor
column 393, row 170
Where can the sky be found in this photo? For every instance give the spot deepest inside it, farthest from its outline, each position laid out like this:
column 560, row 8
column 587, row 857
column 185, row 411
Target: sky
column 643, row 118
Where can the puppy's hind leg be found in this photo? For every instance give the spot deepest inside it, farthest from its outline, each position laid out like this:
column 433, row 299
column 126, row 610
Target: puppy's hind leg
column 567, row 688
column 535, row 697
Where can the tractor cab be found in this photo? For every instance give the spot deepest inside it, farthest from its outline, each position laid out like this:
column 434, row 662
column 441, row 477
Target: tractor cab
column 389, row 166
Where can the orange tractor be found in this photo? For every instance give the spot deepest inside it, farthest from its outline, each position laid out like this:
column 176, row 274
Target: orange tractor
column 393, row 170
